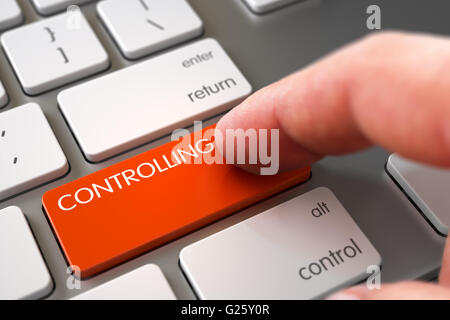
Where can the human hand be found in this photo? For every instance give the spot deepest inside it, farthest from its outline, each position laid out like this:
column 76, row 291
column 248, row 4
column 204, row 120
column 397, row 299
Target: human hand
column 390, row 89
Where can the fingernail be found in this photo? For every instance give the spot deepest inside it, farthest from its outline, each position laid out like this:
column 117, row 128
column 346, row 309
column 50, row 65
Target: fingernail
column 343, row 296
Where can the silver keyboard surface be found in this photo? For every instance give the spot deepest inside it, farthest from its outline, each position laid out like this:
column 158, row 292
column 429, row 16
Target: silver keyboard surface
column 265, row 48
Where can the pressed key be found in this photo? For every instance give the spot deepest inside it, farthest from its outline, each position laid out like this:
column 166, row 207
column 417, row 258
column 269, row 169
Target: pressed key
column 30, row 155
column 145, row 283
column 141, row 27
column 262, row 6
column 125, row 109
column 305, row 248
column 3, row 96
column 55, row 53
column 10, row 14
column 426, row 186
column 23, row 273
column 51, row 6
column 134, row 206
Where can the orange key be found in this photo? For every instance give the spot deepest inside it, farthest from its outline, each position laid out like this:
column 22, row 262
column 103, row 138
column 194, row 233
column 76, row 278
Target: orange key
column 122, row 211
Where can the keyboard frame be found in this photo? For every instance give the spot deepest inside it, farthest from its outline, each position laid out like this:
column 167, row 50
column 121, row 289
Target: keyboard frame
column 267, row 48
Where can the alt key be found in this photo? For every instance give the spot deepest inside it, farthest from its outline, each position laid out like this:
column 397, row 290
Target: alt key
column 305, row 248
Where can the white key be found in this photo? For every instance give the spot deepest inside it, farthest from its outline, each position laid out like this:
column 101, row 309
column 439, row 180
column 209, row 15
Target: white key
column 47, row 7
column 56, row 52
column 10, row 14
column 426, row 186
column 144, row 283
column 132, row 106
column 29, row 152
column 305, row 248
column 3, row 96
column 141, row 27
column 262, row 6
column 23, row 273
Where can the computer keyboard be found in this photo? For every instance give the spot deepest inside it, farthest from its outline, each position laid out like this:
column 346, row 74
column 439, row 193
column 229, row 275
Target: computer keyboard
column 24, row 273
column 30, row 154
column 261, row 254
column 47, row 7
column 164, row 23
column 263, row 6
column 135, row 284
column 10, row 15
column 426, row 186
column 60, row 54
column 180, row 80
column 84, row 100
column 3, row 96
column 111, row 206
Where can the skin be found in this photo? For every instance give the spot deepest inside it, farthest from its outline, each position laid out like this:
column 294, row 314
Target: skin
column 390, row 89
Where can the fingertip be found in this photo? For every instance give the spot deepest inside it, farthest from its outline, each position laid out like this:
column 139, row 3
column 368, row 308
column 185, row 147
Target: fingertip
column 409, row 290
column 258, row 112
column 353, row 293
column 342, row 296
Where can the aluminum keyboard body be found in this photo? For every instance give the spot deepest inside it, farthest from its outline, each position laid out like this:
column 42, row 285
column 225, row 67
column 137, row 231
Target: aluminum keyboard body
column 265, row 48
